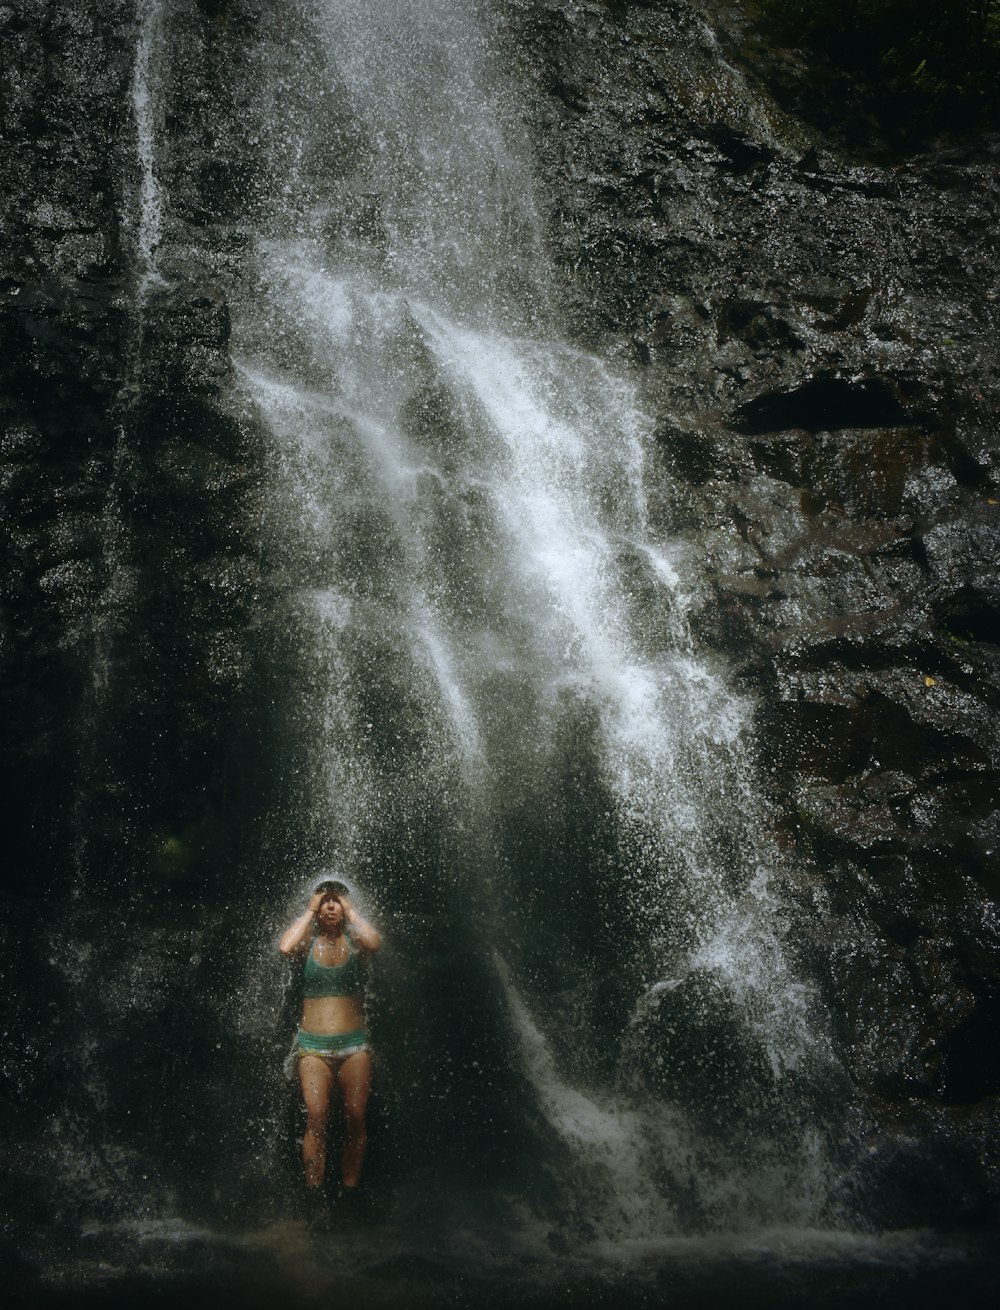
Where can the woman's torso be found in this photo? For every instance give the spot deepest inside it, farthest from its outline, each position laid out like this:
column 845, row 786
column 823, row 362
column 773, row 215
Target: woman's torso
column 333, row 986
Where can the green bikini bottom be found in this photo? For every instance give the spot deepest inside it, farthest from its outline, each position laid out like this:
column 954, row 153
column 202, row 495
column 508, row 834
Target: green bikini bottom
column 338, row 1044
column 328, row 1046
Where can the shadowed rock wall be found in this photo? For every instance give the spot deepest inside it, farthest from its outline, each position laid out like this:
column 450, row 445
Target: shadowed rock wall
column 131, row 725
column 817, row 336
column 65, row 322
column 126, row 491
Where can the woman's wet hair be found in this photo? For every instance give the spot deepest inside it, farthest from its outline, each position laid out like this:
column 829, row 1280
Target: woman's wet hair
column 331, row 887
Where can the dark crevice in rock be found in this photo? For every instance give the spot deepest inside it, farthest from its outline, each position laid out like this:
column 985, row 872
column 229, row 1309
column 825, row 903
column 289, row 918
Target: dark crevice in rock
column 743, row 154
column 970, row 1055
column 971, row 615
column 825, row 404
column 965, row 467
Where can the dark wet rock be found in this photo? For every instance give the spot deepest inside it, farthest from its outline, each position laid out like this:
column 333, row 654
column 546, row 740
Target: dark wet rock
column 824, row 404
column 119, row 473
column 929, row 1174
column 687, row 1045
column 817, row 336
column 63, row 324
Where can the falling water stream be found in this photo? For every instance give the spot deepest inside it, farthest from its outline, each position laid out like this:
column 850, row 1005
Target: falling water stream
column 461, row 507
column 149, row 219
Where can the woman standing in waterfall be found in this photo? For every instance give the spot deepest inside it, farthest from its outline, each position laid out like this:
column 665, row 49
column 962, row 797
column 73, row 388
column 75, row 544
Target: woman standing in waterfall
column 331, row 1046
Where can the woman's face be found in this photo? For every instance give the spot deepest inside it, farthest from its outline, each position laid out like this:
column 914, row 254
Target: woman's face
column 330, row 913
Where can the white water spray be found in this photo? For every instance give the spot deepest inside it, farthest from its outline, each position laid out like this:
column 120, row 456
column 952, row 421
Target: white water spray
column 467, row 493
column 145, row 107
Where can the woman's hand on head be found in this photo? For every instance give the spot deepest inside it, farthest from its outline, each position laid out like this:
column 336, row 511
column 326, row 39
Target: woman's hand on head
column 315, row 901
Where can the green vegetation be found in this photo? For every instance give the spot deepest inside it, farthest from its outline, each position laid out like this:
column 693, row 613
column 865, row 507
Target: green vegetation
column 921, row 68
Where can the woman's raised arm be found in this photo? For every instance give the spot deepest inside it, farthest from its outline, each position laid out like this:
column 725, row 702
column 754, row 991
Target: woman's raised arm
column 367, row 937
column 296, row 936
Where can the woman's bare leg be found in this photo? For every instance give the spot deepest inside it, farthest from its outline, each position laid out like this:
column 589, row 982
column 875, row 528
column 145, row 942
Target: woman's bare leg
column 316, row 1080
column 355, row 1079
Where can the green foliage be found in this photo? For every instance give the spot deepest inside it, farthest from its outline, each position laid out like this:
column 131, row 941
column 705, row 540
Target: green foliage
column 925, row 66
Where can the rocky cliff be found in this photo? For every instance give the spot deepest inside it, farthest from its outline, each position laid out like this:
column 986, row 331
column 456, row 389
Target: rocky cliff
column 125, row 490
column 817, row 336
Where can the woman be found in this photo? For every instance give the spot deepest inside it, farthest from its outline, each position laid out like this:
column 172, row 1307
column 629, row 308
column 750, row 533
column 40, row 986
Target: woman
column 332, row 1044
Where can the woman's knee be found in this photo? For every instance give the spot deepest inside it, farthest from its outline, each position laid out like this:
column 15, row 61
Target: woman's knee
column 316, row 1116
column 354, row 1115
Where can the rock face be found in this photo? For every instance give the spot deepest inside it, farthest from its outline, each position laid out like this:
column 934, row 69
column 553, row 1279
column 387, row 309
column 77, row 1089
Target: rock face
column 816, row 337
column 125, row 488
column 128, row 502
column 64, row 327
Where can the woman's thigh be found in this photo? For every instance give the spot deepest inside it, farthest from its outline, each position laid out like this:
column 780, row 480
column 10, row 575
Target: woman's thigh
column 316, row 1081
column 354, row 1078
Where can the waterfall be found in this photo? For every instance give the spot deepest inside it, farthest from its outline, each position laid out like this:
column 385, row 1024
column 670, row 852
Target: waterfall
column 149, row 201
column 473, row 549
column 146, row 221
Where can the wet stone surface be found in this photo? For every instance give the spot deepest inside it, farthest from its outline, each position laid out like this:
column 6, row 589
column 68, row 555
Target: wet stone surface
column 817, row 336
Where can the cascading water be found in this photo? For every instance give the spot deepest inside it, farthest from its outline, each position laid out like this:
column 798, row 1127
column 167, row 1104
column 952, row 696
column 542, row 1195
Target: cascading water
column 145, row 219
column 489, row 613
column 149, row 215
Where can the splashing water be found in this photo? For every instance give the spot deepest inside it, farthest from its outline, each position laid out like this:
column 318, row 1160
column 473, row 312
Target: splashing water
column 465, row 550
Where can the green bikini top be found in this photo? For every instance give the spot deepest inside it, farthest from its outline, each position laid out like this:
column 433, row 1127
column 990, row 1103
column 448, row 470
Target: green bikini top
column 345, row 979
